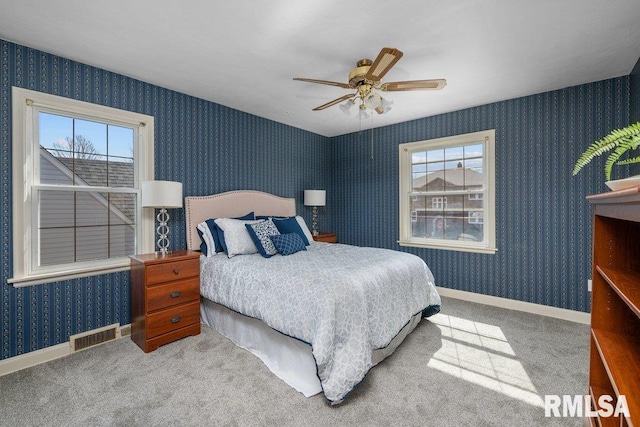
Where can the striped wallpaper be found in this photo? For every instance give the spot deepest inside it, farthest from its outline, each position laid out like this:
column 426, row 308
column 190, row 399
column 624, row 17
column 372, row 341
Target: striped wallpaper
column 543, row 223
column 634, row 109
column 208, row 147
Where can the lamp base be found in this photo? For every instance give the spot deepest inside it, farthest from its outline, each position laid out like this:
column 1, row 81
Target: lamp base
column 314, row 221
column 163, row 232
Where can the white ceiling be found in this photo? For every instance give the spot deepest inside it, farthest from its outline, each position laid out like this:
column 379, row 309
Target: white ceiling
column 244, row 54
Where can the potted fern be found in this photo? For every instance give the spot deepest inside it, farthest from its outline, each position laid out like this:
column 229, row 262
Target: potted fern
column 620, row 141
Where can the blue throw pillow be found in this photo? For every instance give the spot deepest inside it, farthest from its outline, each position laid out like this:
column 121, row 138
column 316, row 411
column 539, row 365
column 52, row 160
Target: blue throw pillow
column 272, row 217
column 213, row 237
column 290, row 225
column 288, row 244
column 260, row 234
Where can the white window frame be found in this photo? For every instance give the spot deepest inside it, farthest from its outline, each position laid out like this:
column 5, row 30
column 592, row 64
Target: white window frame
column 488, row 244
column 26, row 163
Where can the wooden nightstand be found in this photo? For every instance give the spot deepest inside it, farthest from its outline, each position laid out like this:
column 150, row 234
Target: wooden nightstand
column 326, row 237
column 165, row 298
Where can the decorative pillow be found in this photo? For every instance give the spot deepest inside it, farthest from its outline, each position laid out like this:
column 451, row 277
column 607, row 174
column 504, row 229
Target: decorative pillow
column 209, row 232
column 260, row 234
column 236, row 236
column 290, row 225
column 288, row 243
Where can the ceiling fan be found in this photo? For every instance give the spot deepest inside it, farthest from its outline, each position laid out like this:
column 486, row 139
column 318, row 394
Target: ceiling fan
column 366, row 80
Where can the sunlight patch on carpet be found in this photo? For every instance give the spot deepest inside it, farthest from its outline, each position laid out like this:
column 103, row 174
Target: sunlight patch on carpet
column 480, row 353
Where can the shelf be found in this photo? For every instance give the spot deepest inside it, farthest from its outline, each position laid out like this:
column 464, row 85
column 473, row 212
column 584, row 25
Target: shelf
column 604, row 421
column 619, row 355
column 626, row 284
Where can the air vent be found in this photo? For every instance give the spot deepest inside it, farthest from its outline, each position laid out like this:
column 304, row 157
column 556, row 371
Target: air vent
column 94, row 337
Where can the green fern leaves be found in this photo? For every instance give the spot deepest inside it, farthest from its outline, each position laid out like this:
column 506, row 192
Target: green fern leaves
column 620, row 141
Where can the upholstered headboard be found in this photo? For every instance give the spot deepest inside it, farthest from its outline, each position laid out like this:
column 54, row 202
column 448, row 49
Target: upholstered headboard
column 231, row 204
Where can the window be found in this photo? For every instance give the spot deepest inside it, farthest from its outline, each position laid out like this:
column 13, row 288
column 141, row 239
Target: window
column 436, row 202
column 447, row 193
column 476, row 217
column 78, row 210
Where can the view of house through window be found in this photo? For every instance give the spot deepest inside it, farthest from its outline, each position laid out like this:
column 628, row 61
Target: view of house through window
column 447, row 192
column 445, row 177
column 84, row 225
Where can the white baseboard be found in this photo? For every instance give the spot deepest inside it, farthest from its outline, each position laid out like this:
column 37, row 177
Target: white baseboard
column 528, row 307
column 37, row 357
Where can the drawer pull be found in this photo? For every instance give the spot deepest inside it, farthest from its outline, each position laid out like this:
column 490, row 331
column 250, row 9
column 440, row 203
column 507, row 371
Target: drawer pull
column 175, row 294
column 176, row 319
column 176, row 271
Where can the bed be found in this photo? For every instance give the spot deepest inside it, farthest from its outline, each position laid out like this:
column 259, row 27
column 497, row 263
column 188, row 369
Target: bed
column 320, row 318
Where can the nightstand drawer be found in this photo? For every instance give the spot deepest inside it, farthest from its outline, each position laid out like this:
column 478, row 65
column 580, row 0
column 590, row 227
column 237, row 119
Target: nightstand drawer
column 172, row 293
column 173, row 318
column 169, row 271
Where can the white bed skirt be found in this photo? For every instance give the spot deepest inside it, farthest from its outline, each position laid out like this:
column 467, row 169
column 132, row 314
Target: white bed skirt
column 289, row 359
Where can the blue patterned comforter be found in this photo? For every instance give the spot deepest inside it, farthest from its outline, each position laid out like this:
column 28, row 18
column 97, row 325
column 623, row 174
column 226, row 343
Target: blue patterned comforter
column 345, row 301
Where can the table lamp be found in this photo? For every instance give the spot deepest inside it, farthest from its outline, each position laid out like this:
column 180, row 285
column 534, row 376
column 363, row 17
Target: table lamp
column 162, row 195
column 315, row 198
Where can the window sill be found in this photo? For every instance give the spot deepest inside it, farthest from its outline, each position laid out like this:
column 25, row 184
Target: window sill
column 449, row 247
column 41, row 279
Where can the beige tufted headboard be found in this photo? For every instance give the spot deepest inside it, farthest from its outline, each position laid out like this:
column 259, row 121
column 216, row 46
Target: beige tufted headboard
column 231, row 204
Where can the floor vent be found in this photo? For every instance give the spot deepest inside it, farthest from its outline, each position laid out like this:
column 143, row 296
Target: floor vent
column 95, row 337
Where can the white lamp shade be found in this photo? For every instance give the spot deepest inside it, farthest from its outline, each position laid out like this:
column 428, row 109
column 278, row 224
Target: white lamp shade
column 161, row 194
column 315, row 197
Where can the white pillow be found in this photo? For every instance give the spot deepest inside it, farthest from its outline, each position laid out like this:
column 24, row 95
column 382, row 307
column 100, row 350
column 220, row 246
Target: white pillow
column 208, row 239
column 305, row 229
column 237, row 237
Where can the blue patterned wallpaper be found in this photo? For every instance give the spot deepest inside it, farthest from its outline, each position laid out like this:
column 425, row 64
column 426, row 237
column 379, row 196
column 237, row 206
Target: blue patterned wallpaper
column 543, row 223
column 208, row 147
column 634, row 108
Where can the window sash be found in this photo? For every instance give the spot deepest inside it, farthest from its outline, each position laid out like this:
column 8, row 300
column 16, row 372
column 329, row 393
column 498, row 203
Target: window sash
column 483, row 194
column 113, row 218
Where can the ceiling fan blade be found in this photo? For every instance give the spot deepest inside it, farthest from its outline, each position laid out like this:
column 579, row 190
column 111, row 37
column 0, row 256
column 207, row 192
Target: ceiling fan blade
column 324, row 82
column 435, row 84
column 334, row 102
column 386, row 59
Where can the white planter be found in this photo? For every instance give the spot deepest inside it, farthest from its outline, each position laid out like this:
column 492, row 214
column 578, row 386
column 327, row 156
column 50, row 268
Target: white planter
column 621, row 184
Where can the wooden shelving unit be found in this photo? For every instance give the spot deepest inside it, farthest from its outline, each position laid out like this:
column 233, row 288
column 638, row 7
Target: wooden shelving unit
column 614, row 363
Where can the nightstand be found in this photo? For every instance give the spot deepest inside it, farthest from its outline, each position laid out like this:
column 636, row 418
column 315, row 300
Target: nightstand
column 326, row 237
column 165, row 298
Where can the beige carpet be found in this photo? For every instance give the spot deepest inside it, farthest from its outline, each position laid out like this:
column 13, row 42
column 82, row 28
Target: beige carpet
column 471, row 365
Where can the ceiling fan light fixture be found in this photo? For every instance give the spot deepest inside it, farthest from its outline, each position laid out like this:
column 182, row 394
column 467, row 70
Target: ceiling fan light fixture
column 364, row 114
column 385, row 106
column 346, row 107
column 373, row 101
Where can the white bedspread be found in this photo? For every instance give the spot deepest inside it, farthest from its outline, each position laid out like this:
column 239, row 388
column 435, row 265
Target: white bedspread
column 345, row 301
